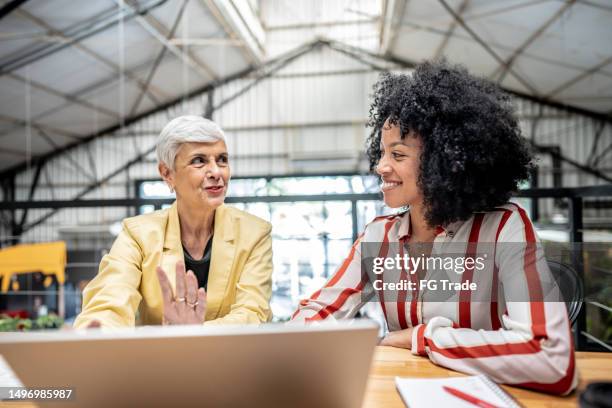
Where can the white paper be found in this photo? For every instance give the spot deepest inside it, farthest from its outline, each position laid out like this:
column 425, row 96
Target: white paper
column 428, row 392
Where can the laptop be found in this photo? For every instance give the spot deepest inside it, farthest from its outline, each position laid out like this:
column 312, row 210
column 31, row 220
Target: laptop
column 272, row 365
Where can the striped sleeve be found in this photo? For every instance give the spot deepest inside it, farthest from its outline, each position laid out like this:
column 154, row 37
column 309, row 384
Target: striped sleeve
column 533, row 348
column 340, row 298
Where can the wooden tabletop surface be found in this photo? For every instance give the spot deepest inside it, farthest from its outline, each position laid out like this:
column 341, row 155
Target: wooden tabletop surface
column 390, row 362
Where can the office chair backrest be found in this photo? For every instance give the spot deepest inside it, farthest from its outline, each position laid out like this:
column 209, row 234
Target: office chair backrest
column 570, row 285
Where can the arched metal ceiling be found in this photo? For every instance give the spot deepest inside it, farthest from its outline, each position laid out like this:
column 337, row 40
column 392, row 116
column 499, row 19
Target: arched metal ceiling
column 69, row 70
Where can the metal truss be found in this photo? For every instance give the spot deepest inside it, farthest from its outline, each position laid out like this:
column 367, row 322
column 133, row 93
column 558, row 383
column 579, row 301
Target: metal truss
column 260, row 74
column 9, row 7
column 248, row 53
column 440, row 50
column 395, row 10
column 152, row 92
column 503, row 69
column 23, row 123
column 161, row 34
column 73, row 35
column 580, row 77
column 73, row 99
column 257, row 74
column 487, row 48
column 158, row 60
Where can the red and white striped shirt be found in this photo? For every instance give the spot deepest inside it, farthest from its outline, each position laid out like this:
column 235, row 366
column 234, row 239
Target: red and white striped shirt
column 523, row 343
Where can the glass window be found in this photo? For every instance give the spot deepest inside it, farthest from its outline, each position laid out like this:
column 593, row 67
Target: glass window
column 247, row 187
column 155, row 189
column 310, row 239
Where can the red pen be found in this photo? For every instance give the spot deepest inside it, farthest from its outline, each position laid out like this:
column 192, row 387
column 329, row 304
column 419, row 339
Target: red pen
column 467, row 397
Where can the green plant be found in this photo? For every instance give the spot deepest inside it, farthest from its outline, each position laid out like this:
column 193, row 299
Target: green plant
column 51, row 321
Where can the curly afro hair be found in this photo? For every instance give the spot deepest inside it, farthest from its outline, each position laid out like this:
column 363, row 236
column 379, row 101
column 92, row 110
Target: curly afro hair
column 473, row 155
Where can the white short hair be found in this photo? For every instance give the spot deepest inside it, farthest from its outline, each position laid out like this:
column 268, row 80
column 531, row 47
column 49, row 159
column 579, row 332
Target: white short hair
column 185, row 129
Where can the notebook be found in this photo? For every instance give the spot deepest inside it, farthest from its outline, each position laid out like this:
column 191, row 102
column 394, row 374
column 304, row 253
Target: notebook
column 429, row 392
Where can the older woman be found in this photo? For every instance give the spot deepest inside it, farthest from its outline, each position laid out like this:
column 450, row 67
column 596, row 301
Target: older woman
column 448, row 146
column 227, row 252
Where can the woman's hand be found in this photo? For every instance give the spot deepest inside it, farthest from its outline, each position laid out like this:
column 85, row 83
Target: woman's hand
column 189, row 304
column 94, row 324
column 400, row 339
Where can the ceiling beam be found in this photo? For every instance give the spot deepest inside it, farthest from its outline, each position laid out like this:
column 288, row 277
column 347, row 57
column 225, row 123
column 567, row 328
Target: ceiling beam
column 596, row 5
column 204, row 42
column 357, row 56
column 73, row 35
column 153, row 93
column 161, row 34
column 451, row 30
column 9, row 172
column 404, row 63
column 442, row 32
column 251, row 24
column 323, row 24
column 580, row 77
column 487, row 48
column 248, row 71
column 69, row 158
column 262, row 73
column 38, row 126
column 158, row 60
column 600, row 98
column 66, row 97
column 439, row 25
column 502, row 70
column 14, row 152
column 81, row 93
column 253, row 57
column 394, row 14
column 491, row 13
column 9, row 7
column 268, row 70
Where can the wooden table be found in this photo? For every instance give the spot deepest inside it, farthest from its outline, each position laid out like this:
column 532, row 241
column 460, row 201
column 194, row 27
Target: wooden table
column 390, row 362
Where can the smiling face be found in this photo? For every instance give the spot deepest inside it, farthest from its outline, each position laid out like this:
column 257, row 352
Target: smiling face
column 399, row 167
column 201, row 174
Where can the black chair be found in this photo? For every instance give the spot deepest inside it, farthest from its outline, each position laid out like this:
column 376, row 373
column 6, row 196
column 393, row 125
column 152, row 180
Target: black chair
column 570, row 285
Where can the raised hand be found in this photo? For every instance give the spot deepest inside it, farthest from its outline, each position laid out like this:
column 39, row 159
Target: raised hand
column 188, row 306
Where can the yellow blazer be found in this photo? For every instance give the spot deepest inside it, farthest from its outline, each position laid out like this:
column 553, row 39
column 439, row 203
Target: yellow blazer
column 126, row 290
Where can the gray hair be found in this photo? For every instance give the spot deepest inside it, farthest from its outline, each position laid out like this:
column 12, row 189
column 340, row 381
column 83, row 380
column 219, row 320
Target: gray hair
column 185, row 129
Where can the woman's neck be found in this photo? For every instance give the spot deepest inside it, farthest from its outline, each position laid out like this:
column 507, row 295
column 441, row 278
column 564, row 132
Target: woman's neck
column 196, row 223
column 420, row 231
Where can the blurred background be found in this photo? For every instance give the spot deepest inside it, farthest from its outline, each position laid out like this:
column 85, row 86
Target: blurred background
column 86, row 86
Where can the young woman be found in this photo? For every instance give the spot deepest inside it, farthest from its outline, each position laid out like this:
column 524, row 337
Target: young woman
column 448, row 146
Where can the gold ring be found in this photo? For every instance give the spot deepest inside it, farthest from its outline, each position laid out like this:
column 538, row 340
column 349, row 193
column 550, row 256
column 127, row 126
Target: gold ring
column 179, row 300
column 193, row 304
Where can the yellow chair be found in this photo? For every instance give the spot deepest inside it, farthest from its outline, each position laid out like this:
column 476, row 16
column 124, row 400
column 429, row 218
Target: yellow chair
column 48, row 258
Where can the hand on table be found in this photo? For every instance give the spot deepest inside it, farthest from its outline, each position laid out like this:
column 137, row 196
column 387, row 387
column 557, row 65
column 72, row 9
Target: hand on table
column 188, row 306
column 94, row 324
column 400, row 339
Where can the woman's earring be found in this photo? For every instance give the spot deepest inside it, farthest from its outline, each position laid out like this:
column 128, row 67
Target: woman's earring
column 171, row 189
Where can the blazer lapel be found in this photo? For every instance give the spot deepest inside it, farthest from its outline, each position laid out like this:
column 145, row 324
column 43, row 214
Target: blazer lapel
column 173, row 248
column 223, row 250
